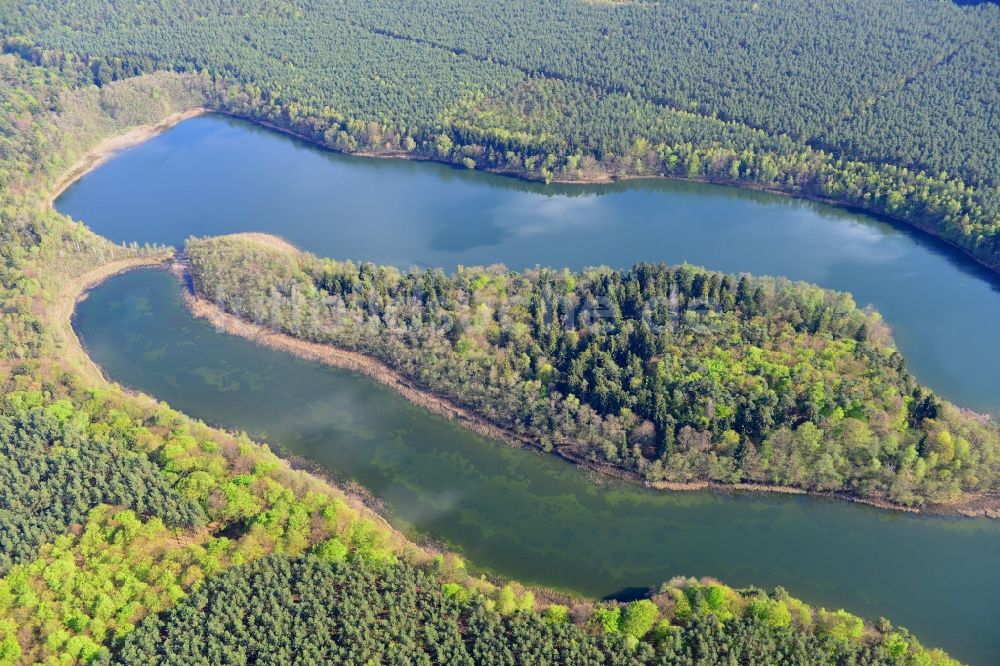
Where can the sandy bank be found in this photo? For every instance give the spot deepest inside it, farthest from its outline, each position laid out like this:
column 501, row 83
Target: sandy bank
column 267, row 240
column 111, row 146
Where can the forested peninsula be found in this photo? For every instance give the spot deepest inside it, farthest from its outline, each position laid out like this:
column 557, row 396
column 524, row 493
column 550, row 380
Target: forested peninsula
column 668, row 374
column 115, row 508
column 885, row 106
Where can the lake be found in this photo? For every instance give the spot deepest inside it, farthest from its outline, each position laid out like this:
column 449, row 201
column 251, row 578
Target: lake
column 520, row 513
column 215, row 175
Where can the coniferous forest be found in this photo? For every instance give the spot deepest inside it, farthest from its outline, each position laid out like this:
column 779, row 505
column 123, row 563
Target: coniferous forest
column 56, row 466
column 132, row 533
column 307, row 611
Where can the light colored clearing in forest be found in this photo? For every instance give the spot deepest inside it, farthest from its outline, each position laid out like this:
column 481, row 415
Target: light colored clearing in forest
column 267, row 240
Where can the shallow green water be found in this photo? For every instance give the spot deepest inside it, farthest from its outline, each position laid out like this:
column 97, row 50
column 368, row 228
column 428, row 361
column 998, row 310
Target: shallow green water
column 523, row 514
column 534, row 517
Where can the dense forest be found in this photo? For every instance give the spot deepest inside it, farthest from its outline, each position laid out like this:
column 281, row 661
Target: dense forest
column 115, row 509
column 307, row 611
column 56, row 465
column 889, row 106
column 673, row 373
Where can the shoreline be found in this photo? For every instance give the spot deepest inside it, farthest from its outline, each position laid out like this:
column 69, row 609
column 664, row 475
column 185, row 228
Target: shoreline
column 113, row 145
column 368, row 505
column 64, row 308
column 358, row 497
column 921, row 229
column 344, row 359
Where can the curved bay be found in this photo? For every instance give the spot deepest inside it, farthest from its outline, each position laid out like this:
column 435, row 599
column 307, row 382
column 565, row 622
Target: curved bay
column 527, row 515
